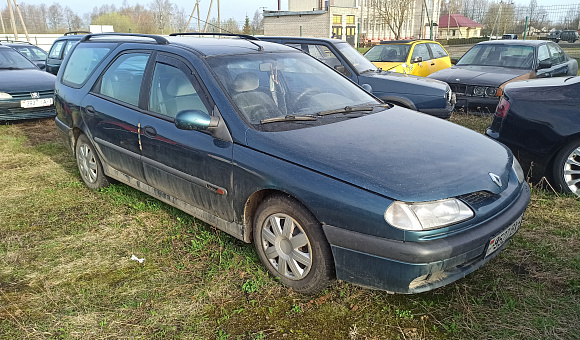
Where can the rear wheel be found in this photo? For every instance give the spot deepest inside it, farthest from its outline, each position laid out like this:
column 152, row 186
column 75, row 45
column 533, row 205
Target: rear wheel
column 89, row 164
column 290, row 242
column 567, row 168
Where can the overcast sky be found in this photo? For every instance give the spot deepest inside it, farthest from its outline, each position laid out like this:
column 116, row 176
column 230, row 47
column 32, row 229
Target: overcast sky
column 236, row 9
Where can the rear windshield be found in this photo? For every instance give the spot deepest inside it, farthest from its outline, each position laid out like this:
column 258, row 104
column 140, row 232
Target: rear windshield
column 510, row 56
column 83, row 61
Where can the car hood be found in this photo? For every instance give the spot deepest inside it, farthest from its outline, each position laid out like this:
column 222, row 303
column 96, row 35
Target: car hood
column 32, row 80
column 479, row 75
column 387, row 65
column 397, row 153
column 384, row 81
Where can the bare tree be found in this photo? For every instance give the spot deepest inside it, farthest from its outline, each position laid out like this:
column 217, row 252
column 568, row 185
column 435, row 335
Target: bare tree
column 394, row 13
column 54, row 16
column 161, row 10
column 257, row 23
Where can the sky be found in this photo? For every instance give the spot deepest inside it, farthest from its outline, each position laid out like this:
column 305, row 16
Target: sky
column 237, row 9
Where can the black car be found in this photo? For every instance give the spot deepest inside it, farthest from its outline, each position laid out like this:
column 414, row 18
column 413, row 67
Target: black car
column 566, row 35
column 60, row 49
column 478, row 78
column 413, row 92
column 25, row 91
column 276, row 148
column 539, row 121
column 34, row 53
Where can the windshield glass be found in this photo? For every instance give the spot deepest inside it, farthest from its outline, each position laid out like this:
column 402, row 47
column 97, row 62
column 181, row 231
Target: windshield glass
column 10, row 59
column 513, row 56
column 388, row 53
column 356, row 59
column 271, row 85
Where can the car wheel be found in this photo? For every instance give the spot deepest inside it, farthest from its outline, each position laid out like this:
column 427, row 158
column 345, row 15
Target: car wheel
column 291, row 244
column 89, row 164
column 567, row 168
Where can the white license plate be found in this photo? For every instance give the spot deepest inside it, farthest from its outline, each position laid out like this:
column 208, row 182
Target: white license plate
column 36, row 102
column 496, row 242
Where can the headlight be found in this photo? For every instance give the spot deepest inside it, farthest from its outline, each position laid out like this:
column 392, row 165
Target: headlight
column 491, row 91
column 427, row 215
column 518, row 170
column 4, row 95
column 479, row 91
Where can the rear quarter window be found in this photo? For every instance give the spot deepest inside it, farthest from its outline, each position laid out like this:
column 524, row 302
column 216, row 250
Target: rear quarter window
column 83, row 62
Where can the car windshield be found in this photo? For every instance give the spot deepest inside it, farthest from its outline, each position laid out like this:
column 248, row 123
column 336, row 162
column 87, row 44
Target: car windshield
column 275, row 87
column 12, row 60
column 357, row 60
column 510, row 56
column 388, row 53
column 32, row 53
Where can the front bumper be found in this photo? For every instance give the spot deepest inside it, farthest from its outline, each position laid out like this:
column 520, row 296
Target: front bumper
column 11, row 110
column 414, row 267
column 477, row 105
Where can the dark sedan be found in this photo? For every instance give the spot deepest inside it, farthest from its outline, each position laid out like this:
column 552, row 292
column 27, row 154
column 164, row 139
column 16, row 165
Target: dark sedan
column 478, row 78
column 25, row 90
column 538, row 121
column 413, row 92
column 35, row 54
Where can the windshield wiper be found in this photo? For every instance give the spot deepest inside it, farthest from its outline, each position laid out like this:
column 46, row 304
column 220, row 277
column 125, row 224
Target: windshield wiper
column 10, row 68
column 349, row 109
column 369, row 70
column 287, row 118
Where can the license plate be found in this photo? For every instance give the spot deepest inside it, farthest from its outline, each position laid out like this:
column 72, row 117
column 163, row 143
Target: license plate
column 496, row 242
column 36, row 102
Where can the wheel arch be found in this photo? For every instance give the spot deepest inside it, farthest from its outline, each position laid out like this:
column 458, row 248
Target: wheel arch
column 400, row 102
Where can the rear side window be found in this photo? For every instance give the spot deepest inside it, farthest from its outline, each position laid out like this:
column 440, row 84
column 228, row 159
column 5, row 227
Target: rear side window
column 83, row 62
column 122, row 80
column 438, row 51
column 56, row 49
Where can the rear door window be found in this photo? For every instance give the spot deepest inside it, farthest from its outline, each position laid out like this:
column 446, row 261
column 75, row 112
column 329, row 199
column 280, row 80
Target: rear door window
column 438, row 51
column 122, row 80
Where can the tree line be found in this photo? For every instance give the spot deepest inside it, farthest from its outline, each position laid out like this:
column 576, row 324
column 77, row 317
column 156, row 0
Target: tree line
column 158, row 17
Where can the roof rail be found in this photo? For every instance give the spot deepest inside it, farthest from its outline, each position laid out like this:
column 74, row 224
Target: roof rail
column 158, row 39
column 14, row 42
column 77, row 32
column 249, row 38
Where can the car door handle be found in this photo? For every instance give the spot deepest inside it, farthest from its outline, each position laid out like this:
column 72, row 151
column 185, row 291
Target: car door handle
column 90, row 110
column 433, row 63
column 149, row 131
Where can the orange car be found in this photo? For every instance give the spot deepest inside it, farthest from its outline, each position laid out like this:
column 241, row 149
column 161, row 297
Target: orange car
column 417, row 57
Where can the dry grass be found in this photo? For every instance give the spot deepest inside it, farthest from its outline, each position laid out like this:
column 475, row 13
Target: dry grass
column 66, row 273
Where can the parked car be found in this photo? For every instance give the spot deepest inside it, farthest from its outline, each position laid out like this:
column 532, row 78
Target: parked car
column 566, row 35
column 416, row 93
column 25, row 91
column 272, row 146
column 478, row 78
column 34, row 53
column 509, row 36
column 416, row 57
column 60, row 48
column 538, row 121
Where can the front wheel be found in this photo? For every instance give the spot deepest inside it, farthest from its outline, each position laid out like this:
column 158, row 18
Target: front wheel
column 567, row 168
column 89, row 164
column 291, row 244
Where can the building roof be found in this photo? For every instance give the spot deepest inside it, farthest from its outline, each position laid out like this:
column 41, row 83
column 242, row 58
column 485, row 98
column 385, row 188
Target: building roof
column 457, row 20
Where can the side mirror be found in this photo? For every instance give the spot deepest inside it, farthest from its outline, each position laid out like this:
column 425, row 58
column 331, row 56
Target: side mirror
column 195, row 120
column 341, row 69
column 41, row 66
column 367, row 88
column 454, row 61
column 417, row 60
column 544, row 64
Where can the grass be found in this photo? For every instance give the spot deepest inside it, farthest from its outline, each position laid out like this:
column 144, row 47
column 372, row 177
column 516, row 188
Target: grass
column 66, row 270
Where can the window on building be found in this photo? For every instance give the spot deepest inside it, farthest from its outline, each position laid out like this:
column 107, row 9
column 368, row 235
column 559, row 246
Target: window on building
column 337, row 19
column 350, row 19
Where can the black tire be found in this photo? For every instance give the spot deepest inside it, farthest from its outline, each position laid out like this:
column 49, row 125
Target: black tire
column 566, row 169
column 299, row 256
column 89, row 164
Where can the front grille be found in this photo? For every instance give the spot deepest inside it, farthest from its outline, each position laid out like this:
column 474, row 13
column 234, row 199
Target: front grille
column 21, row 95
column 478, row 198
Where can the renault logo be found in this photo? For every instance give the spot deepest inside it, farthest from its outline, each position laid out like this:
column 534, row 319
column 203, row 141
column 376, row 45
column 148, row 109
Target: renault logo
column 35, row 94
column 495, row 178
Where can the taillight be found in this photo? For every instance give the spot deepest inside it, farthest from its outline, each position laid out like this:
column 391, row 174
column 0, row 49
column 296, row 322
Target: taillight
column 502, row 108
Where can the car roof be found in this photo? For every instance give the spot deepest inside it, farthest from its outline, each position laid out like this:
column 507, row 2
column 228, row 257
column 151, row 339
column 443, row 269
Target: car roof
column 513, row 42
column 410, row 41
column 329, row 40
